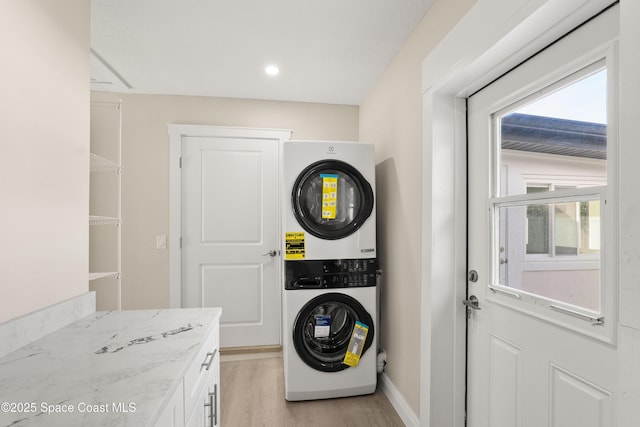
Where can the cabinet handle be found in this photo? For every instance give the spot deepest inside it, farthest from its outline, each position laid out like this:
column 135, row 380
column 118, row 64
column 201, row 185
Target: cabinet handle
column 213, row 405
column 209, row 356
column 210, row 406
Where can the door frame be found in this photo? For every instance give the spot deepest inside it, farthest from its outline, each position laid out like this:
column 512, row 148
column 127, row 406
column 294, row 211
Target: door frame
column 176, row 133
column 471, row 56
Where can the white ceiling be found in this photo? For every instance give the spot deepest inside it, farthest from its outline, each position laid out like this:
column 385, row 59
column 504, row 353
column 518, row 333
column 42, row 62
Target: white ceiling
column 328, row 51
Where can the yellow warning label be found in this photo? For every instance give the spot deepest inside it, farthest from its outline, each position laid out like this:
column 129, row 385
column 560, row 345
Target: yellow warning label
column 294, row 245
column 329, row 195
column 356, row 344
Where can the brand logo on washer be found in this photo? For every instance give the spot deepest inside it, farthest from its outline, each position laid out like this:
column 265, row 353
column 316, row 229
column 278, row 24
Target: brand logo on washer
column 331, row 150
column 365, row 251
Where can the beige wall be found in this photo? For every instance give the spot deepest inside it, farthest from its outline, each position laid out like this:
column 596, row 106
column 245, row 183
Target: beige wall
column 44, row 166
column 145, row 182
column 391, row 117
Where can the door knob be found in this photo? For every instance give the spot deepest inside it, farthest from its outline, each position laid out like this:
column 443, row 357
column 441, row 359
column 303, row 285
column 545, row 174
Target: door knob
column 472, row 303
column 271, row 253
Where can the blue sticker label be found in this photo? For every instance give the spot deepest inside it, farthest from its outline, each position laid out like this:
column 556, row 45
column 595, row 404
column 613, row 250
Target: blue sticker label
column 323, row 326
column 322, row 320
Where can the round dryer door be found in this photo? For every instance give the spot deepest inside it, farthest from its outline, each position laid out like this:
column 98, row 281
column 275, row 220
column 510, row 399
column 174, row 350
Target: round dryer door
column 331, row 199
column 323, row 347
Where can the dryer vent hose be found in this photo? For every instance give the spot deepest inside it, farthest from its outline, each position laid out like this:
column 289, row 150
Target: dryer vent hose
column 382, row 360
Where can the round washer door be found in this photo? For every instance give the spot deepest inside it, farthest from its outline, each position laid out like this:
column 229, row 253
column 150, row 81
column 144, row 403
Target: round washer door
column 352, row 199
column 324, row 349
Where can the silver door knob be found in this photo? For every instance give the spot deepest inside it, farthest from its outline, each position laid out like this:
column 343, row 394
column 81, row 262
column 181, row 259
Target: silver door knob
column 271, row 253
column 472, row 303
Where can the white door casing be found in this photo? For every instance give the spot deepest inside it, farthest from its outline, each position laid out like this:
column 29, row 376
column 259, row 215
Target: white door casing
column 529, row 365
column 224, row 236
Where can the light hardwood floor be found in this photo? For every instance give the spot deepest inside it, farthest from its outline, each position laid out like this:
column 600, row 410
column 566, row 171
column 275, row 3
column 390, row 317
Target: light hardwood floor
column 252, row 394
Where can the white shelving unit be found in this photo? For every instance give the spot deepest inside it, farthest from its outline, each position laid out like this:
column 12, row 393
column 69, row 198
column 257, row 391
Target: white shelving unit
column 105, row 234
column 100, row 164
column 103, row 220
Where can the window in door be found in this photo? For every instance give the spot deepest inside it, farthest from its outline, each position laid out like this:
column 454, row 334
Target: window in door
column 550, row 186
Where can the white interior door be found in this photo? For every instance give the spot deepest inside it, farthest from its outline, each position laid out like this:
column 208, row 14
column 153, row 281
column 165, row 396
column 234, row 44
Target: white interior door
column 230, row 229
column 542, row 326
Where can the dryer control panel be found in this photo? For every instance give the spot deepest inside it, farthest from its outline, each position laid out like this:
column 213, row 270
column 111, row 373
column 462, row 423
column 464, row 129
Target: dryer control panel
column 335, row 273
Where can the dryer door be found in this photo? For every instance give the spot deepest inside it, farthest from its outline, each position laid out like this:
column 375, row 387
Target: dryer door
column 323, row 348
column 331, row 199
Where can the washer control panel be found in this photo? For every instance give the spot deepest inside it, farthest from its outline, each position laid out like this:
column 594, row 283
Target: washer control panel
column 335, row 273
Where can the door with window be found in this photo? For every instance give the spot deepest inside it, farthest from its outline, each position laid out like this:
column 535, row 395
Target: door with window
column 542, row 289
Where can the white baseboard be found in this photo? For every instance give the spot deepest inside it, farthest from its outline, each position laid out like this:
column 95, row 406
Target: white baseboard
column 397, row 401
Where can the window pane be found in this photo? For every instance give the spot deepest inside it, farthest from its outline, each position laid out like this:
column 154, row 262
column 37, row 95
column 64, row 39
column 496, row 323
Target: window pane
column 590, row 227
column 566, row 229
column 553, row 142
column 554, row 275
column 563, row 134
column 537, row 229
column 537, row 238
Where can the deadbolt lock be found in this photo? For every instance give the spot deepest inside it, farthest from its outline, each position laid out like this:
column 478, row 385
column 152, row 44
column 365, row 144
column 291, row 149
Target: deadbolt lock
column 473, row 276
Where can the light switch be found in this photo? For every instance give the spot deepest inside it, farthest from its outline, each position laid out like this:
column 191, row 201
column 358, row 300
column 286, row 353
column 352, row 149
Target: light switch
column 161, row 242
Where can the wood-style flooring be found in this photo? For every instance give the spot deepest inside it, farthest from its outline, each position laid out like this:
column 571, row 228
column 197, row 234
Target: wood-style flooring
column 252, row 394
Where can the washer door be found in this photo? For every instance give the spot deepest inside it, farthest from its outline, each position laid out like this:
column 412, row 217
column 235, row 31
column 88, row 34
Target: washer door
column 323, row 348
column 331, row 199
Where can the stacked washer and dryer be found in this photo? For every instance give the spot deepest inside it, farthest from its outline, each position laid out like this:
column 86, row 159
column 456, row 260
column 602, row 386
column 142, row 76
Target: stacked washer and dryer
column 329, row 225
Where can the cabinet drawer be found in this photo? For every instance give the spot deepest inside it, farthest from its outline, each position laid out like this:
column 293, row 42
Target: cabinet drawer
column 196, row 375
column 206, row 412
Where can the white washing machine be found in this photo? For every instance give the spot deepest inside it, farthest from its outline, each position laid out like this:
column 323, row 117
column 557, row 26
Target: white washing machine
column 328, row 200
column 323, row 301
column 329, row 243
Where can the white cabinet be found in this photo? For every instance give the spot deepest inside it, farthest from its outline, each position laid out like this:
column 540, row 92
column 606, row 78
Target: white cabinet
column 202, row 386
column 199, row 393
column 173, row 414
column 206, row 411
column 105, row 207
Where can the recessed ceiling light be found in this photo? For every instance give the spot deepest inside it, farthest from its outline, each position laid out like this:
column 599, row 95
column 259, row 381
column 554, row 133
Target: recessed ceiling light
column 272, row 70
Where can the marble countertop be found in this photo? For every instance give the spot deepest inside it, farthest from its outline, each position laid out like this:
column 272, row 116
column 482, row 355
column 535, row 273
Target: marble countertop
column 114, row 368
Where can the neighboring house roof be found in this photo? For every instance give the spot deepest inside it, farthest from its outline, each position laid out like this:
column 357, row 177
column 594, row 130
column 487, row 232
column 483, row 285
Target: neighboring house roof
column 554, row 136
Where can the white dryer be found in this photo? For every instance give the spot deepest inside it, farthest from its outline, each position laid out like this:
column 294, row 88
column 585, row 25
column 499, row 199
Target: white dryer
column 329, row 224
column 322, row 303
column 328, row 200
